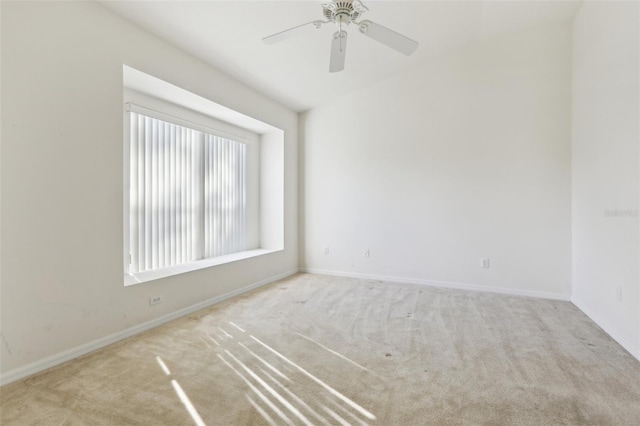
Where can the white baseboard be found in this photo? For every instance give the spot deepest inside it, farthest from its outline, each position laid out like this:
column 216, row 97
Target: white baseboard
column 59, row 358
column 606, row 326
column 444, row 284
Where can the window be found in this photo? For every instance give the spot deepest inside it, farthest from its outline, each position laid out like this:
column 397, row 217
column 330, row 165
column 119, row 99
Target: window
column 187, row 194
column 203, row 184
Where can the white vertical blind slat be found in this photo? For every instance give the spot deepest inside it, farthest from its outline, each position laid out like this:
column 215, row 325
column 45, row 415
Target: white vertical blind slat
column 140, row 202
column 217, row 198
column 243, row 185
column 205, row 177
column 172, row 195
column 185, row 196
column 147, row 193
column 160, row 196
column 198, row 194
column 153, row 214
column 167, row 191
column 180, row 188
column 133, row 194
column 178, row 206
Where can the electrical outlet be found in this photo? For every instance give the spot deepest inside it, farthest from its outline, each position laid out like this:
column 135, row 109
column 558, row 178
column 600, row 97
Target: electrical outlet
column 367, row 253
column 619, row 294
column 484, row 263
column 154, row 300
column 326, row 250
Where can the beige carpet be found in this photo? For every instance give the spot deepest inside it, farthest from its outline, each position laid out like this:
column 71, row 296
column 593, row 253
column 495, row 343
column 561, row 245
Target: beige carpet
column 323, row 350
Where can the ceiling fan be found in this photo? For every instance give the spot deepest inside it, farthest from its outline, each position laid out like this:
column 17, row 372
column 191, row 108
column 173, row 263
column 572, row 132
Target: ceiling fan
column 342, row 13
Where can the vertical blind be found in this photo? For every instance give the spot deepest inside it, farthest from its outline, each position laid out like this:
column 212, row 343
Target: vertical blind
column 187, row 194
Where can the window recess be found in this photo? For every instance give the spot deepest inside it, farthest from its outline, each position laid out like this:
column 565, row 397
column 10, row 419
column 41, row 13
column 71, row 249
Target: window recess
column 188, row 164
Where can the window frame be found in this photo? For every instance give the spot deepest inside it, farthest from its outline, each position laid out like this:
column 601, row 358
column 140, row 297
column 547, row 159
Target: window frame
column 209, row 155
column 206, row 125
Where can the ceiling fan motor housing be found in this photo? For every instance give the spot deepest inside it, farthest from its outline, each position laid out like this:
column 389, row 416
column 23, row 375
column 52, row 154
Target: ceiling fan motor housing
column 341, row 12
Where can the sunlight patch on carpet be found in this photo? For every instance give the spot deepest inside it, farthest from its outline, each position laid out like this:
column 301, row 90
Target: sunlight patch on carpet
column 187, row 403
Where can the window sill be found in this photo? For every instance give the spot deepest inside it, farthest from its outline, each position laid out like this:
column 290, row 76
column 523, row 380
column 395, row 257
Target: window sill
column 141, row 277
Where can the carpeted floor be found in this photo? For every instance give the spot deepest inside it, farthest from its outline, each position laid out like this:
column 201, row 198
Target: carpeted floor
column 324, row 350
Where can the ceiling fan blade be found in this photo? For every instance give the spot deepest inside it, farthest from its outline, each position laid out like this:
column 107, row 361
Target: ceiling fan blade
column 291, row 32
column 338, row 51
column 388, row 37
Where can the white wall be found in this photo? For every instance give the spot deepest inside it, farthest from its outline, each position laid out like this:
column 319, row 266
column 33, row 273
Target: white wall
column 464, row 157
column 62, row 172
column 606, row 170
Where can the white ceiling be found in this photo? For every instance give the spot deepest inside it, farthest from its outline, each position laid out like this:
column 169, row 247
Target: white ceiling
column 227, row 34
